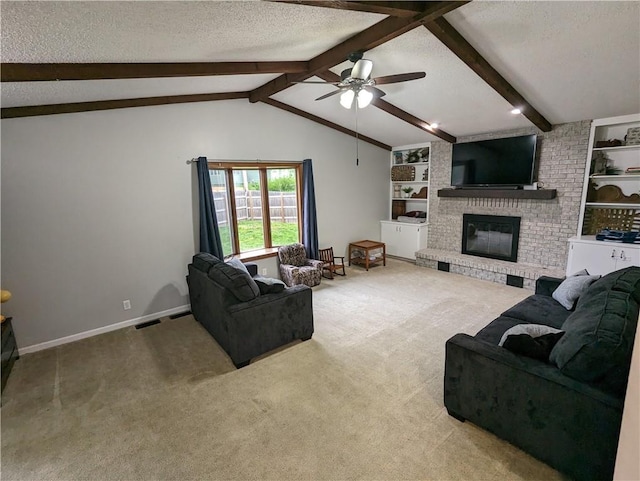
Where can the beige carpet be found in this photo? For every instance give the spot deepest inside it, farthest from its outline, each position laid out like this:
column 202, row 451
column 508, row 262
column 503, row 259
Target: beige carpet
column 361, row 400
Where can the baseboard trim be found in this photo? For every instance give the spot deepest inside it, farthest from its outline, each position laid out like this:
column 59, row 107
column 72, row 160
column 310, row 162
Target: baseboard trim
column 101, row 330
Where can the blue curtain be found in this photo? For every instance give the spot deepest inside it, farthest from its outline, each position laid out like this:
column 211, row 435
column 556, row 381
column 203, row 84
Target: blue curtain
column 209, row 233
column 309, row 219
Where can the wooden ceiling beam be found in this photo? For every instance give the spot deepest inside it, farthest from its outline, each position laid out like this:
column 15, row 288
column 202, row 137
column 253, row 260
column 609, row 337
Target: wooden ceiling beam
column 369, row 38
column 326, row 123
column 37, row 72
column 393, row 9
column 52, row 109
column 455, row 42
column 391, row 109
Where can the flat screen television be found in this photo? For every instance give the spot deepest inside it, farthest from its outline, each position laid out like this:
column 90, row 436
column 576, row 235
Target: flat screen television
column 505, row 162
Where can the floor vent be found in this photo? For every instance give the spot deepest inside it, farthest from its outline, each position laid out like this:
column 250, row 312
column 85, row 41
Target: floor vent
column 515, row 281
column 147, row 324
column 182, row 314
column 443, row 266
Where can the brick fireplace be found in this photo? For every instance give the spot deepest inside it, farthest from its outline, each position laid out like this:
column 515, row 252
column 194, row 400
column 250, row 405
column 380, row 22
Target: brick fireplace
column 545, row 225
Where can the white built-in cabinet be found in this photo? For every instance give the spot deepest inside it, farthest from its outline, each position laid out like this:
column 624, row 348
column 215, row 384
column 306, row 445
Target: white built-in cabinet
column 403, row 239
column 409, row 169
column 601, row 257
column 610, row 198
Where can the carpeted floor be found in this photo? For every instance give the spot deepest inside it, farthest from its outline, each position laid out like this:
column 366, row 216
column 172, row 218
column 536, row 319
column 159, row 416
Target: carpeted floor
column 361, row 400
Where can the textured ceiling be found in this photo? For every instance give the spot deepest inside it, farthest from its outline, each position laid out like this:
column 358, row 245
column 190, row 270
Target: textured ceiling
column 570, row 60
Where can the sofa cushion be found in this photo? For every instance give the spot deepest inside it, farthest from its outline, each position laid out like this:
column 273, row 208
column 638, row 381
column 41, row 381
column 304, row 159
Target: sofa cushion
column 599, row 335
column 203, row 261
column 572, row 288
column 239, row 282
column 539, row 309
column 268, row 285
column 531, row 330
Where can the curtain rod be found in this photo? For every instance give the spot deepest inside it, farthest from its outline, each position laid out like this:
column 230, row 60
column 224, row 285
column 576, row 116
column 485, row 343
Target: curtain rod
column 195, row 159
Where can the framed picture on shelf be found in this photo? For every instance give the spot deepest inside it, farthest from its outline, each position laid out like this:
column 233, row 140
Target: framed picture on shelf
column 397, row 158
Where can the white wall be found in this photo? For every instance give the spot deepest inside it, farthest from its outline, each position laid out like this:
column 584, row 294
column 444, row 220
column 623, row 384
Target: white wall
column 98, row 207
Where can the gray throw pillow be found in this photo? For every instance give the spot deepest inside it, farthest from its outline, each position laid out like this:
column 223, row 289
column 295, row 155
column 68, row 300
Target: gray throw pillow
column 572, row 288
column 237, row 281
column 238, row 264
column 533, row 330
column 268, row 285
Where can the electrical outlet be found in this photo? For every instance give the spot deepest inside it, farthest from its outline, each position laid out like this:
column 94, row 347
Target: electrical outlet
column 126, row 304
column 264, row 271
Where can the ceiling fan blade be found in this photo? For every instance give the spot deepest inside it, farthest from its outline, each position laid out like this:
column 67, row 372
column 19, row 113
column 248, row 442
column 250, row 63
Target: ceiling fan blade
column 330, row 94
column 362, row 69
column 377, row 93
column 401, row 77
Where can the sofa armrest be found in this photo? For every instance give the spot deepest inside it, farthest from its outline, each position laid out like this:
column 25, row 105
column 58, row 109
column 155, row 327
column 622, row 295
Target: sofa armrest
column 545, row 285
column 252, row 267
column 568, row 424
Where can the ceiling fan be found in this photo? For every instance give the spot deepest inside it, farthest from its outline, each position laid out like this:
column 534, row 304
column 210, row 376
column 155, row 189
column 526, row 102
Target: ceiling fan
column 357, row 85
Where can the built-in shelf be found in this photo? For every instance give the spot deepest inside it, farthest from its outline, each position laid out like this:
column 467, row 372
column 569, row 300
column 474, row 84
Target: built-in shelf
column 419, row 199
column 615, row 176
column 542, row 194
column 615, row 205
column 424, row 181
column 619, row 147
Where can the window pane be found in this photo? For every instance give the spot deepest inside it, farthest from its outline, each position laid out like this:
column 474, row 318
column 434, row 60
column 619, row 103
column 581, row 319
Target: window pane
column 221, row 201
column 248, row 209
column 283, row 206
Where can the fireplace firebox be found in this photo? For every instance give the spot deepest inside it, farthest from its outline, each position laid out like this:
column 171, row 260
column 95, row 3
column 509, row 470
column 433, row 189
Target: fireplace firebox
column 492, row 236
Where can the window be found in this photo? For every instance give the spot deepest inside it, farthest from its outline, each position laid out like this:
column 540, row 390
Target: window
column 257, row 205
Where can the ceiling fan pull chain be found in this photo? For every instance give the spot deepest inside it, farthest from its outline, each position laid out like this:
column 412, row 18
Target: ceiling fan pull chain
column 357, row 149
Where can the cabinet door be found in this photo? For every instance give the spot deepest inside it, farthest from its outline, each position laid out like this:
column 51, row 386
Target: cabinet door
column 390, row 236
column 407, row 241
column 627, row 256
column 597, row 259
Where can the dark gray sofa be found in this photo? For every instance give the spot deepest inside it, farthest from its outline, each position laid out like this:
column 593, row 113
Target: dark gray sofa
column 567, row 416
column 245, row 322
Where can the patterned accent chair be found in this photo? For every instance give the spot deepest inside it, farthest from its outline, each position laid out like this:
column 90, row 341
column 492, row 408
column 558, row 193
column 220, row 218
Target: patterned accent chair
column 296, row 268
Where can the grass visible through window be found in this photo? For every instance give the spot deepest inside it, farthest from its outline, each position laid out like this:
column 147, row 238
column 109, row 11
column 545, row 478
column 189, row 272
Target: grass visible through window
column 250, row 233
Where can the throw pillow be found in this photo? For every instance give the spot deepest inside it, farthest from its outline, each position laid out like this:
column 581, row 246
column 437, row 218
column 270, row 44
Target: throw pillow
column 572, row 288
column 532, row 330
column 203, row 261
column 238, row 264
column 268, row 285
column 531, row 340
column 239, row 282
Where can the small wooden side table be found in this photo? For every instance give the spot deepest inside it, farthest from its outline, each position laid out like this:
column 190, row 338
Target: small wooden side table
column 366, row 246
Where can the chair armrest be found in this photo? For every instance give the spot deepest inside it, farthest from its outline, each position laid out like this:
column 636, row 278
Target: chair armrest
column 545, row 285
column 314, row 263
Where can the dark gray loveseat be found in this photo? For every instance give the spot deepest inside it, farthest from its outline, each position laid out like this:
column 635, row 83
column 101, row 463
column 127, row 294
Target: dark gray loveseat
column 245, row 322
column 567, row 416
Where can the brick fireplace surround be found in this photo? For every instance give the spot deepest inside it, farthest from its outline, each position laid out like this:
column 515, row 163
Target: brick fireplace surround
column 545, row 226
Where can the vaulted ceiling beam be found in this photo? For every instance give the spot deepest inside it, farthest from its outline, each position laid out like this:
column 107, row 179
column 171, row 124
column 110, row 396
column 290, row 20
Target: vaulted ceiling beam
column 36, row 72
column 52, row 109
column 394, row 9
column 391, row 109
column 455, row 42
column 326, row 123
column 369, row 38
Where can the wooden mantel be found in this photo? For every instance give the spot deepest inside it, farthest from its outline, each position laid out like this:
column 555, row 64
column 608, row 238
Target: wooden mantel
column 540, row 194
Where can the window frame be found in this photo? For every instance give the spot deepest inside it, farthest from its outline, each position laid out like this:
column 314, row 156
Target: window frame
column 262, row 167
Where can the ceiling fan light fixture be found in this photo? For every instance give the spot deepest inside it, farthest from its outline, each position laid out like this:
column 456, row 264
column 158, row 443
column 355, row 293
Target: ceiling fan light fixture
column 362, row 69
column 364, row 98
column 346, row 98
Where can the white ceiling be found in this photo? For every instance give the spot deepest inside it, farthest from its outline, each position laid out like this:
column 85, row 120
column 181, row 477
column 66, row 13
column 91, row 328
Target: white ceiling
column 571, row 60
